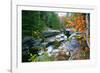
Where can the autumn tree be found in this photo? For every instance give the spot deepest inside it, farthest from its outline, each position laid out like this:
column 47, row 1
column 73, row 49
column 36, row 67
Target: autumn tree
column 76, row 21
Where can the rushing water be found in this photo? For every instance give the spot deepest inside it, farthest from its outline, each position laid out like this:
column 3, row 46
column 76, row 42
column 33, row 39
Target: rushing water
column 72, row 46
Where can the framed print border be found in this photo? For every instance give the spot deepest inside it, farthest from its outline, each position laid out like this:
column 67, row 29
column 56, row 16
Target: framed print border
column 18, row 66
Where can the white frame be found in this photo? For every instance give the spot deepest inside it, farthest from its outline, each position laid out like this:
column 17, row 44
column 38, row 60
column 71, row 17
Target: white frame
column 17, row 66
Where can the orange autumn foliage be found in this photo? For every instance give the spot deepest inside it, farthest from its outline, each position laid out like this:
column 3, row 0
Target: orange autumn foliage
column 79, row 23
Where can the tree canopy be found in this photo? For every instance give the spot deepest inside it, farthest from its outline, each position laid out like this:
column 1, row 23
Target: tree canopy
column 35, row 22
